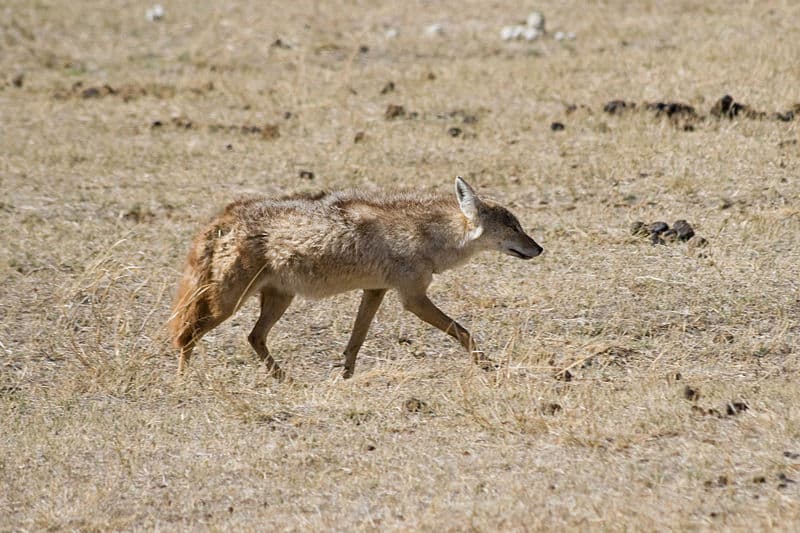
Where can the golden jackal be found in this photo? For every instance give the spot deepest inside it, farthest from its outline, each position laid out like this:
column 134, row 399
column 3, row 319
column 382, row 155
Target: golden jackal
column 325, row 244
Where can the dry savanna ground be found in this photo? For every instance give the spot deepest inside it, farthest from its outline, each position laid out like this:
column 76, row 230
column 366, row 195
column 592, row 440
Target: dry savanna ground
column 642, row 386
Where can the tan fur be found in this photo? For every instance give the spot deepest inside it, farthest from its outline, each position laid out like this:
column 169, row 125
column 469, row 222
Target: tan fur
column 323, row 244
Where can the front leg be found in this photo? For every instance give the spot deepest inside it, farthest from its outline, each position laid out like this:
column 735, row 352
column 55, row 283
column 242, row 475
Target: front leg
column 370, row 302
column 421, row 305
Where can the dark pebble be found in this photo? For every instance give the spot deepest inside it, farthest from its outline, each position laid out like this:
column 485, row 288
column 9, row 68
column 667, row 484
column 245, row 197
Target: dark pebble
column 394, row 111
column 683, row 230
column 658, row 227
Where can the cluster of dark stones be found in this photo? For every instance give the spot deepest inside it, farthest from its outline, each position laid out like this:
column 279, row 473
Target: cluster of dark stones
column 661, row 233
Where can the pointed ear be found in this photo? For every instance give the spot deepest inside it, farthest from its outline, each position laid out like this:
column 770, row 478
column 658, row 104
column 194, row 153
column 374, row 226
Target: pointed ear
column 467, row 199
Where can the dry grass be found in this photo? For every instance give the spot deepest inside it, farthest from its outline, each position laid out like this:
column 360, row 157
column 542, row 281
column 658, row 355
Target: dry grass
column 98, row 208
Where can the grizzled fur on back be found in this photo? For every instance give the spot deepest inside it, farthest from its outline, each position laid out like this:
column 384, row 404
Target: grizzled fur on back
column 298, row 239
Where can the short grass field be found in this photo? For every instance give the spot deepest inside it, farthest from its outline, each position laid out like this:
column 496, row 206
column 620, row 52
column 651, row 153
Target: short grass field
column 641, row 386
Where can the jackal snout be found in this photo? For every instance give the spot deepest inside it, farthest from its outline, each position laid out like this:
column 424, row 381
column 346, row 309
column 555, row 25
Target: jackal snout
column 522, row 246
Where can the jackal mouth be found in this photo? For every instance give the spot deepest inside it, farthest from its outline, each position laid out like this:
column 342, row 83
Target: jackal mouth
column 517, row 253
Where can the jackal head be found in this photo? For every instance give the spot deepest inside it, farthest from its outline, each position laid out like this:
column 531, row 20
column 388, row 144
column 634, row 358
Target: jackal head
column 494, row 227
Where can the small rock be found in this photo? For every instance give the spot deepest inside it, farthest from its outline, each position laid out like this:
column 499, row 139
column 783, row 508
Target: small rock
column 727, row 107
column 760, row 479
column 672, row 109
column 530, row 34
column 658, row 227
column 724, row 337
column 389, row 87
column 683, row 230
column 306, row 175
column 670, row 235
column 18, row 80
column 270, row 132
column 512, row 33
column 698, row 242
column 550, row 409
column 566, row 375
column 415, row 405
column 90, row 92
column 734, row 408
column 791, row 455
column 434, row 30
column 535, row 20
column 507, row 33
column 557, row 126
column 154, row 13
column 690, row 393
column 359, row 137
column 454, row 132
column 616, row 107
column 394, row 111
column 655, row 238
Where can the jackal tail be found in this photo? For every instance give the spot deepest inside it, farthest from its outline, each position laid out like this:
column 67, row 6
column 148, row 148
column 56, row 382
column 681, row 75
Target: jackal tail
column 194, row 299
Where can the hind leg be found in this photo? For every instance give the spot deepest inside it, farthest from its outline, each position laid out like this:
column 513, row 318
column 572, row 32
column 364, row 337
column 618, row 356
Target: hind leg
column 273, row 305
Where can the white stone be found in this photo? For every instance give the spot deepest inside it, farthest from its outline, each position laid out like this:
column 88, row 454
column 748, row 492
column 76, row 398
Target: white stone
column 530, row 34
column 559, row 36
column 536, row 20
column 391, row 33
column 434, row 29
column 155, row 13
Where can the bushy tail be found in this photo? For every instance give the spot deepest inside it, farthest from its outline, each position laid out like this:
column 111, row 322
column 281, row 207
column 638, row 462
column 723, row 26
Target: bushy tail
column 191, row 308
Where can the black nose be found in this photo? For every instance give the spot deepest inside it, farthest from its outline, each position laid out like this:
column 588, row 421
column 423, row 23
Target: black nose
column 537, row 250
